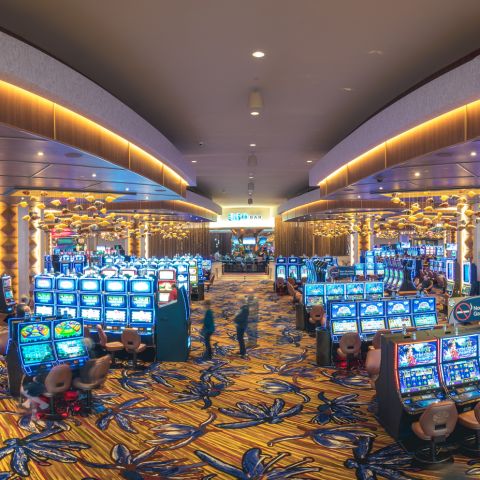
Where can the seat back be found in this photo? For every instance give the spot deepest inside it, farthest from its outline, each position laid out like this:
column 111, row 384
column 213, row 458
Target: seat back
column 280, row 282
column 212, row 278
column 99, row 371
column 439, row 419
column 3, row 343
column 130, row 339
column 476, row 411
column 58, row 379
column 86, row 331
column 317, row 314
column 372, row 362
column 102, row 336
column 377, row 338
column 290, row 289
column 350, row 343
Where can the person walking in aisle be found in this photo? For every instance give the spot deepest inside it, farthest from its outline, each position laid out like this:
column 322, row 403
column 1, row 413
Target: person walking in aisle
column 241, row 321
column 208, row 329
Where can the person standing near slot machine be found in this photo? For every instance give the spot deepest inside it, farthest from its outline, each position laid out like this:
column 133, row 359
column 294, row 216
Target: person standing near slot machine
column 241, row 321
column 173, row 293
column 208, row 329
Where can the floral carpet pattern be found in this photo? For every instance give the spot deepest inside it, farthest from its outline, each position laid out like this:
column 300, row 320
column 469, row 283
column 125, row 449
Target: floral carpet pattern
column 272, row 416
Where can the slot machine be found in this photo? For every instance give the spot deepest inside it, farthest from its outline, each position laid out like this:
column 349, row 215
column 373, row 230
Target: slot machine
column 142, row 309
column 129, row 271
column 408, row 383
column 7, row 302
column 424, row 312
column 293, row 268
column 380, row 269
column 342, row 319
column 115, row 301
column 281, row 268
column 398, row 314
column 182, row 276
column 91, row 302
column 314, row 294
column 66, row 298
column 334, row 292
column 79, row 262
column 110, row 271
column 48, row 263
column 166, row 280
column 450, row 276
column 69, row 343
column 206, row 268
column 304, row 270
column 460, row 369
column 371, row 315
column 43, row 295
column 373, row 290
column 360, row 270
column 65, row 263
column 369, row 265
column 467, row 279
column 355, row 291
column 196, row 290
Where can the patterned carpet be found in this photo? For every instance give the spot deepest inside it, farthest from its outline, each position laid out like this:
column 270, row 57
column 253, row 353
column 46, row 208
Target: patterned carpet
column 272, row 416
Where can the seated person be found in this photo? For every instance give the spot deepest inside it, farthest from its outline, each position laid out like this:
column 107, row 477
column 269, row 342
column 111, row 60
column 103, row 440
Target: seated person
column 426, row 285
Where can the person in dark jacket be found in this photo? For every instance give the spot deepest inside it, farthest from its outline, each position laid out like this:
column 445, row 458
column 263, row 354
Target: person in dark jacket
column 241, row 321
column 208, row 329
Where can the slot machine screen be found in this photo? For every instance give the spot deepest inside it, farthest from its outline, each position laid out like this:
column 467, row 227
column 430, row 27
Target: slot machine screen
column 141, row 301
column 163, row 297
column 44, row 283
column 182, row 268
column 281, row 271
column 116, row 301
column 44, row 310
column 293, row 271
column 34, row 332
column 63, row 329
column 312, row 301
column 129, row 272
column 37, row 353
column 359, row 269
column 67, row 311
column 374, row 288
column 459, row 348
column 69, row 349
column 421, row 305
column 8, row 295
column 314, row 289
column 93, row 300
column 340, row 327
column 371, row 309
column 418, row 379
column 115, row 316
column 355, row 289
column 141, row 316
column 449, row 274
column 191, row 271
column 380, row 268
column 397, row 323
column 169, row 274
column 398, row 307
column 335, row 290
column 66, row 284
column 370, row 268
column 66, row 299
column 416, row 354
column 425, row 320
column 7, row 282
column 115, row 285
column 43, row 297
column 141, row 286
column 343, row 310
column 89, row 285
column 91, row 314
column 457, row 373
column 466, row 273
column 372, row 325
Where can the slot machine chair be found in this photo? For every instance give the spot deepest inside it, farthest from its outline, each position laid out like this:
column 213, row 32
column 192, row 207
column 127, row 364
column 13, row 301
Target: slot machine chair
column 372, row 365
column 92, row 375
column 316, row 318
column 57, row 381
column 471, row 420
column 435, row 424
column 280, row 286
column 350, row 348
column 132, row 343
column 209, row 282
column 377, row 339
column 110, row 347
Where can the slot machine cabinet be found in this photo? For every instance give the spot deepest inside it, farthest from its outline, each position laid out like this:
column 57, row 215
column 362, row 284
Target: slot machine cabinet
column 424, row 311
column 141, row 307
column 90, row 299
column 65, row 263
column 7, row 302
column 166, row 280
column 409, row 381
column 371, row 318
column 280, row 270
column 342, row 319
column 172, row 329
column 66, row 298
column 399, row 314
column 452, row 276
column 469, row 279
column 115, row 303
column 355, row 291
column 44, row 295
column 69, row 343
column 182, row 276
column 78, row 262
column 407, row 272
column 334, row 292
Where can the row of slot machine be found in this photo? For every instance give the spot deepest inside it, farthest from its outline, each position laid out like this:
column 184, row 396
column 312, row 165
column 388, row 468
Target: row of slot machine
column 66, row 262
column 366, row 317
column 416, row 251
column 399, row 274
column 436, row 365
column 298, row 268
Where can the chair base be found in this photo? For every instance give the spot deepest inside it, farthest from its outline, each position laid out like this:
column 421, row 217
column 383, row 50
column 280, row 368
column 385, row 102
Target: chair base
column 424, row 458
column 471, row 447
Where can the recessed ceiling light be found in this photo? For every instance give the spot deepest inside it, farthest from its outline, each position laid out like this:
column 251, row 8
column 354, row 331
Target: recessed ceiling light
column 253, row 145
column 473, row 154
column 309, row 161
column 127, row 189
column 347, row 89
column 254, row 113
column 146, row 197
column 380, row 188
column 359, row 196
column 417, row 174
column 194, row 161
column 40, row 154
column 94, row 175
column 258, row 54
column 250, row 177
column 375, row 52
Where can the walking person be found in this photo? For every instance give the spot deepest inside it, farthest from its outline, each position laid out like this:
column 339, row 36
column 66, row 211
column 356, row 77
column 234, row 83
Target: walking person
column 241, row 321
column 208, row 329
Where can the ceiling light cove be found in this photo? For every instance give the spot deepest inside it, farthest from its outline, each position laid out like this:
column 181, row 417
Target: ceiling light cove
column 258, row 54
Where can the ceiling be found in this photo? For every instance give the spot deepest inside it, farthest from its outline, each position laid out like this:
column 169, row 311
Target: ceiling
column 186, row 67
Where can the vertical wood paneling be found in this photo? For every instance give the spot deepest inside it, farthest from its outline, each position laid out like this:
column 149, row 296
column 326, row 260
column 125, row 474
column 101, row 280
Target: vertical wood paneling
column 198, row 241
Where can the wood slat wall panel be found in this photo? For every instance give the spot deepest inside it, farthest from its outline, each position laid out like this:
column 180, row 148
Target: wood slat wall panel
column 144, row 164
column 368, row 164
column 198, row 241
column 473, row 120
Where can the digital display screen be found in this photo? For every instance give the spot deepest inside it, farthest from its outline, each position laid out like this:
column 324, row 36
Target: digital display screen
column 397, row 323
column 8, row 294
column 312, row 301
column 343, row 310
column 44, row 310
column 67, row 311
column 66, row 299
column 372, row 325
column 130, row 272
column 115, row 285
column 141, row 316
column 421, row 305
column 69, row 349
column 359, row 269
column 191, row 271
column 89, row 285
column 292, row 271
column 449, row 274
column 374, row 288
column 44, row 283
column 380, row 268
column 466, row 273
column 314, row 289
column 459, row 348
column 91, row 314
column 182, row 268
column 37, row 353
column 398, row 307
column 164, row 297
column 249, row 241
column 371, row 309
column 335, row 289
column 43, row 297
column 418, row 379
column 109, row 272
column 355, row 288
column 34, row 332
column 340, row 327
column 116, row 301
column 7, row 282
column 67, row 329
column 457, row 373
column 427, row 320
column 416, row 354
column 116, row 316
column 281, row 271
column 141, row 286
column 141, row 301
column 91, row 300
column 370, row 271
column 65, row 284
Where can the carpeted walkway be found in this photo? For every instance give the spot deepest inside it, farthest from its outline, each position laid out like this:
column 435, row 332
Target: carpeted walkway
column 273, row 416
